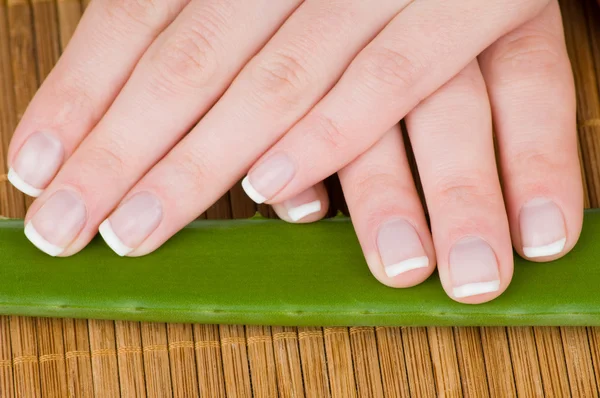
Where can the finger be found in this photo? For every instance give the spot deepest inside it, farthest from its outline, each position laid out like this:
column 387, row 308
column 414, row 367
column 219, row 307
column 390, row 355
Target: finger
column 387, row 213
column 109, row 41
column 177, row 80
column 415, row 54
column 275, row 89
column 451, row 135
column 531, row 89
column 308, row 206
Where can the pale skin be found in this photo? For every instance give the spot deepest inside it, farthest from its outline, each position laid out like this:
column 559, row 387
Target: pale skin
column 157, row 108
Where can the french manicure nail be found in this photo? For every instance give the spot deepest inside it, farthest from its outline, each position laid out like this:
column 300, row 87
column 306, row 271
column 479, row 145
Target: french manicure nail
column 36, row 163
column 542, row 228
column 400, row 248
column 269, row 177
column 473, row 268
column 303, row 204
column 132, row 223
column 57, row 223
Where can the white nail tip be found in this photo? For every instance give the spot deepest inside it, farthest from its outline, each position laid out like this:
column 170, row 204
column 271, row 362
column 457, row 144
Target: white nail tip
column 33, row 235
column 112, row 240
column 546, row 250
column 406, row 265
column 473, row 289
column 251, row 192
column 299, row 212
column 22, row 186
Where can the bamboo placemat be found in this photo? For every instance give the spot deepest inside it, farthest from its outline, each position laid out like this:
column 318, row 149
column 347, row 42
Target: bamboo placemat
column 67, row 357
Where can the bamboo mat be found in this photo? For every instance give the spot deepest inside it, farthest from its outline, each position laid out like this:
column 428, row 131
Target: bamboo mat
column 67, row 357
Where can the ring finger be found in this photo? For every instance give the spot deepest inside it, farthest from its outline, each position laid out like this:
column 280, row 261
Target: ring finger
column 451, row 135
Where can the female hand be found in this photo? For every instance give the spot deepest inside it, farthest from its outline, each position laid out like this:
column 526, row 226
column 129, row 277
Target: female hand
column 107, row 128
column 531, row 96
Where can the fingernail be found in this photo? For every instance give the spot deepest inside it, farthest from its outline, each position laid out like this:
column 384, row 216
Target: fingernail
column 473, row 268
column 57, row 223
column 36, row 163
column 269, row 177
column 542, row 228
column 132, row 223
column 303, row 204
column 400, row 248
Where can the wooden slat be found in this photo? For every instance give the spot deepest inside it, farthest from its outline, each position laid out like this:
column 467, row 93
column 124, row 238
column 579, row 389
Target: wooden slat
column 366, row 362
column 235, row 361
column 418, row 362
column 241, row 205
column 498, row 362
column 523, row 351
column 469, row 352
column 25, row 357
column 208, row 361
column 552, row 361
column 6, row 365
column 51, row 349
column 69, row 14
column 131, row 361
column 22, row 53
column 579, row 362
column 263, row 374
column 183, row 360
column 588, row 100
column 287, row 362
column 391, row 360
column 78, row 358
column 594, row 338
column 104, row 358
column 16, row 88
column 445, row 361
column 339, row 362
column 314, row 362
column 156, row 359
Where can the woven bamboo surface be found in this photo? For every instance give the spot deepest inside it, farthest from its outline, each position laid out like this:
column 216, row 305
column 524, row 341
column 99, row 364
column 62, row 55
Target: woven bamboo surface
column 67, row 357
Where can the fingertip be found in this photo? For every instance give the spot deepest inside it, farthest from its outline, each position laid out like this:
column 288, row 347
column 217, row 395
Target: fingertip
column 306, row 207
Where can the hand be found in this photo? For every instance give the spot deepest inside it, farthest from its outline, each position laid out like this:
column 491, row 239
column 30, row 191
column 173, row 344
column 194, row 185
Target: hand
column 531, row 94
column 331, row 80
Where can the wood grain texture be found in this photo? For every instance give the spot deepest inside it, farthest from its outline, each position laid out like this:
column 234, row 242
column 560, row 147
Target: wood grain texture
column 528, row 378
column 365, row 359
column 392, row 362
column 156, row 359
column 79, row 358
column 105, row 370
column 209, row 361
column 51, row 351
column 445, row 361
column 418, row 362
column 314, row 362
column 6, row 363
column 287, row 362
column 261, row 359
column 131, row 362
column 235, row 361
column 498, row 362
column 183, row 360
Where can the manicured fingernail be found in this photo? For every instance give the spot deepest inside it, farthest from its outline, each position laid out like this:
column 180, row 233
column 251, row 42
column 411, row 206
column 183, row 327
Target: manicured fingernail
column 400, row 248
column 36, row 163
column 542, row 228
column 269, row 177
column 57, row 223
column 132, row 223
column 473, row 268
column 303, row 204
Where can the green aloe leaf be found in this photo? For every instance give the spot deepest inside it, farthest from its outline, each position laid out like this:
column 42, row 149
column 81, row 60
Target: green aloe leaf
column 267, row 272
